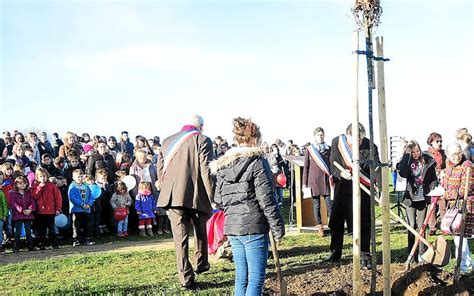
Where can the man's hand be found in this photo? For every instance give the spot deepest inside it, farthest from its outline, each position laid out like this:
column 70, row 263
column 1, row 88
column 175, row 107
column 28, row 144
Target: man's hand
column 346, row 174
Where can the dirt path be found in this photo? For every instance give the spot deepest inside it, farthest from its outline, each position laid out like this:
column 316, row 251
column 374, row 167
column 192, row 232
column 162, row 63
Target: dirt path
column 66, row 251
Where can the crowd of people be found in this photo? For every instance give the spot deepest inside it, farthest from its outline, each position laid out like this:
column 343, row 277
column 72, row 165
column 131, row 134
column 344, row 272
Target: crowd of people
column 177, row 184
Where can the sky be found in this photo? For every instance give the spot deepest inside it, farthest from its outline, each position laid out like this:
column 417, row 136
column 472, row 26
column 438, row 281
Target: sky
column 147, row 66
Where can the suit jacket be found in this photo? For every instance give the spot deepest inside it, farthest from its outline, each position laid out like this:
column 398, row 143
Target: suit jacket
column 343, row 186
column 313, row 176
column 187, row 181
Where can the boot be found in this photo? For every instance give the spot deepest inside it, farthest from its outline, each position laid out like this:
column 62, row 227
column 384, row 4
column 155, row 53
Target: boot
column 149, row 232
column 320, row 230
column 16, row 248
column 142, row 232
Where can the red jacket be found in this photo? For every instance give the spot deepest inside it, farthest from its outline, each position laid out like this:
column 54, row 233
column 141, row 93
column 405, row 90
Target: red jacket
column 48, row 198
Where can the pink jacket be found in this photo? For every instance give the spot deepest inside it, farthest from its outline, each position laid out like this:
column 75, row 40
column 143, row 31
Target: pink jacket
column 19, row 203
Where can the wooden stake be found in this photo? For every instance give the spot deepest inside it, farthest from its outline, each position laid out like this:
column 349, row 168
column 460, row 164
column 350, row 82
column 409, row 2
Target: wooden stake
column 385, row 198
column 356, row 235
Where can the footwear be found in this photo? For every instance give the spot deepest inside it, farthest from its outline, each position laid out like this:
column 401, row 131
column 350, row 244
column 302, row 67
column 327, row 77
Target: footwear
column 159, row 232
column 203, row 269
column 76, row 243
column 55, row 247
column 30, row 247
column 320, row 230
column 366, row 264
column 166, row 231
column 125, row 234
column 149, row 232
column 2, row 250
column 142, row 233
column 333, row 258
column 190, row 286
column 16, row 249
column 90, row 243
column 120, row 234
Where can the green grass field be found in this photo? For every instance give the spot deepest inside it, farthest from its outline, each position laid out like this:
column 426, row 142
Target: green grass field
column 154, row 272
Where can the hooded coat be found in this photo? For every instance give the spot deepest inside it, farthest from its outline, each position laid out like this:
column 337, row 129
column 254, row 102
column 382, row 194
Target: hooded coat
column 245, row 192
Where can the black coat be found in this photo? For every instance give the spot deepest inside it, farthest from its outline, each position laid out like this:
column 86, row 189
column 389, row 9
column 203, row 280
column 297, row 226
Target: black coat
column 97, row 161
column 244, row 190
column 430, row 181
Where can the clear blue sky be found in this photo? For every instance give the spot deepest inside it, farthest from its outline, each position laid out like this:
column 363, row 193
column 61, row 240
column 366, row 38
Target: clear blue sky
column 145, row 66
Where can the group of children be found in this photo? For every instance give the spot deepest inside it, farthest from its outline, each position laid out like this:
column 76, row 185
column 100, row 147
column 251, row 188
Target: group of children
column 33, row 197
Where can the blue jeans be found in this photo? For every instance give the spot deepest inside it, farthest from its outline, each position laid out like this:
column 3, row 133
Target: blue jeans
column 122, row 226
column 278, row 193
column 250, row 257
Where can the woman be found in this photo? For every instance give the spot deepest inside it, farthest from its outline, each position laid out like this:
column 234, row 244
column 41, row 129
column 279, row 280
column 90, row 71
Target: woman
column 245, row 191
column 419, row 170
column 454, row 182
column 70, row 143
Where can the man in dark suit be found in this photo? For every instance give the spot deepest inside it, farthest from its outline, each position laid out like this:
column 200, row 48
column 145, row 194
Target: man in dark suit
column 186, row 192
column 342, row 207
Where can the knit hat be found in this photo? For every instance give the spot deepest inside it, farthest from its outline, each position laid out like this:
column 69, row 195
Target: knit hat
column 87, row 148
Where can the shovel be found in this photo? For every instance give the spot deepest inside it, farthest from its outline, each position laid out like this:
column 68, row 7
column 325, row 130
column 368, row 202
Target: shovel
column 283, row 286
column 436, row 254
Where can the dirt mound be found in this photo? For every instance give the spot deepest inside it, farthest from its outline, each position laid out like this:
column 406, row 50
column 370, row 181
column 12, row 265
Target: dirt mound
column 322, row 279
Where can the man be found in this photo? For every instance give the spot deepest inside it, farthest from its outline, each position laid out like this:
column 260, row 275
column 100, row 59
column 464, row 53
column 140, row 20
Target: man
column 341, row 152
column 125, row 145
column 56, row 143
column 186, row 192
column 102, row 160
column 44, row 145
column 316, row 174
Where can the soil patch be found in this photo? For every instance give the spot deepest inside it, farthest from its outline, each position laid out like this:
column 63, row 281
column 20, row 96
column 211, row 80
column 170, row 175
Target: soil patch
column 323, row 279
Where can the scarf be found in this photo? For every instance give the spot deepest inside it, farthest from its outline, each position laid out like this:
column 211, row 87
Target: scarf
column 437, row 156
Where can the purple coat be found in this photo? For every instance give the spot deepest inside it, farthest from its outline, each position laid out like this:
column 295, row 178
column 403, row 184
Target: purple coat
column 19, row 203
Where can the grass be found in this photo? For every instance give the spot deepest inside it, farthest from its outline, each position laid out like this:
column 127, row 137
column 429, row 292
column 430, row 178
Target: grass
column 154, row 272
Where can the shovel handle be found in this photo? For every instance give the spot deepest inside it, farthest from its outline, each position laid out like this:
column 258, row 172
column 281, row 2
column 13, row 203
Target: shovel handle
column 277, row 265
column 394, row 215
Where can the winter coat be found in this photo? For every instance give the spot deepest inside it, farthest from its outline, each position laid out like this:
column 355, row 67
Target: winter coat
column 21, row 202
column 6, row 188
column 313, row 176
column 97, row 161
column 80, row 195
column 244, row 190
column 48, row 198
column 187, row 182
column 103, row 201
column 125, row 147
column 52, row 170
column 64, row 149
column 45, row 147
column 3, row 206
column 145, row 206
column 147, row 174
column 428, row 175
column 121, row 200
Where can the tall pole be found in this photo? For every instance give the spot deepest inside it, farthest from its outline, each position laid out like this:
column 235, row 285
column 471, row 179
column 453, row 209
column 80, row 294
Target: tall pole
column 370, row 87
column 385, row 198
column 356, row 281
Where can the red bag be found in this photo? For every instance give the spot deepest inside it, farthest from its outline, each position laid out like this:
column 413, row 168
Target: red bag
column 215, row 232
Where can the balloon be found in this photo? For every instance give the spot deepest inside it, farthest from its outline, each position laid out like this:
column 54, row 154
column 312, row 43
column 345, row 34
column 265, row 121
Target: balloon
column 120, row 214
column 95, row 190
column 31, row 177
column 61, row 221
column 130, row 182
column 281, row 179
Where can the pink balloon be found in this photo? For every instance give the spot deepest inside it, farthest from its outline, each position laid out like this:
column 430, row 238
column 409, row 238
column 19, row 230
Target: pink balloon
column 31, row 177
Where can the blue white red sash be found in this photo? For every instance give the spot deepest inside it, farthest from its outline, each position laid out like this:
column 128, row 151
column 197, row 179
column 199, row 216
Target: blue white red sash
column 346, row 153
column 170, row 154
column 318, row 159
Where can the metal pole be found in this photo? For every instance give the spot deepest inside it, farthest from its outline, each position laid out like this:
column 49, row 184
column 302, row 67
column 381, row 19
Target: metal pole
column 385, row 198
column 356, row 280
column 371, row 86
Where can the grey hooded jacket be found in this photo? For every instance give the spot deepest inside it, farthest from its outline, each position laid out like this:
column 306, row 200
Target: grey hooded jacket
column 244, row 190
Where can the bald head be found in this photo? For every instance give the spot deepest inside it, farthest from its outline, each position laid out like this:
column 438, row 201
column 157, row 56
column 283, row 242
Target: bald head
column 196, row 121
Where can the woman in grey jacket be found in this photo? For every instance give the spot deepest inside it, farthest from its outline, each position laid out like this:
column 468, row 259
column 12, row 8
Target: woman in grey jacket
column 245, row 191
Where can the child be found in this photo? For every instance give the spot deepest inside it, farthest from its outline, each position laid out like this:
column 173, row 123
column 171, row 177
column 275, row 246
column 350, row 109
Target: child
column 3, row 212
column 121, row 199
column 81, row 198
column 49, row 203
column 145, row 206
column 23, row 207
column 73, row 164
column 106, row 220
column 47, row 163
column 6, row 186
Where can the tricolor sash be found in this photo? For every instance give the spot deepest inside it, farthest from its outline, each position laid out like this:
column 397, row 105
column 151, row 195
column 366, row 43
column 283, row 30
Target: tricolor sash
column 319, row 160
column 170, row 154
column 346, row 153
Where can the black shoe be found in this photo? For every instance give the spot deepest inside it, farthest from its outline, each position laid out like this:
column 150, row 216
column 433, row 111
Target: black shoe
column 190, row 286
column 333, row 258
column 55, row 247
column 203, row 269
column 366, row 264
